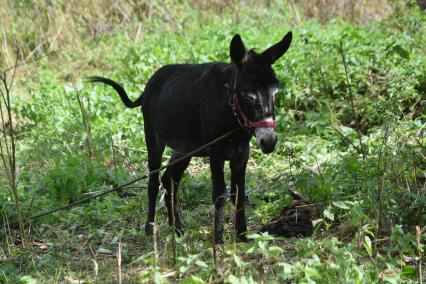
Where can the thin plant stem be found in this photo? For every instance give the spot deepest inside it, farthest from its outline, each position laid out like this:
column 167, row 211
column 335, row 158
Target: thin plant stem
column 420, row 253
column 114, row 159
column 381, row 180
column 6, row 225
column 173, row 221
column 154, row 235
column 119, row 260
column 213, row 244
column 235, row 220
column 85, row 125
column 351, row 97
column 10, row 149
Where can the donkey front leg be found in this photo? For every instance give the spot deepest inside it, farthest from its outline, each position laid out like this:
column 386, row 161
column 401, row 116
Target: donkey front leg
column 238, row 170
column 219, row 195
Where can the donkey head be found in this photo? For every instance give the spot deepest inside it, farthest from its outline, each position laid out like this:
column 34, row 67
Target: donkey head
column 255, row 87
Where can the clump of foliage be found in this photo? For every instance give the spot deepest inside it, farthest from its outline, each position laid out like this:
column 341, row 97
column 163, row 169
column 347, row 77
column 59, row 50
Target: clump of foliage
column 351, row 123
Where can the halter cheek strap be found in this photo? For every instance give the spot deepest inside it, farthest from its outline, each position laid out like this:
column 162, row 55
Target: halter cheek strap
column 247, row 123
column 238, row 112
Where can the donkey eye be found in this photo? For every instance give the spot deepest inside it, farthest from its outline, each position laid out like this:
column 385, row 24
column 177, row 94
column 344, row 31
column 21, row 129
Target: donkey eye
column 250, row 96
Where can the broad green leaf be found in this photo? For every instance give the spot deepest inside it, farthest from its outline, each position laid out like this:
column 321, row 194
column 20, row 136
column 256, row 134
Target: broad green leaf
column 328, row 214
column 201, row 264
column 340, row 204
column 367, row 245
column 193, row 280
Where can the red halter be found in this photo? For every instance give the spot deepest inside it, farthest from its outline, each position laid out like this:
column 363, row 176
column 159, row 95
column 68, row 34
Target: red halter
column 233, row 101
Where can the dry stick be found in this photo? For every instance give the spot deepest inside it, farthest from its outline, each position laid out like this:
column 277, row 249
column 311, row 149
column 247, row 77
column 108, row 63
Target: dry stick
column 213, row 244
column 94, row 260
column 323, row 202
column 130, row 148
column 119, row 260
column 173, row 221
column 89, row 125
column 419, row 250
column 5, row 225
column 6, row 152
column 351, row 96
column 235, row 222
column 96, row 268
column 85, row 124
column 25, row 62
column 113, row 158
column 124, row 186
column 13, row 73
column 380, row 185
column 235, row 219
column 5, row 163
column 12, row 152
column 154, row 235
column 81, row 247
column 295, row 11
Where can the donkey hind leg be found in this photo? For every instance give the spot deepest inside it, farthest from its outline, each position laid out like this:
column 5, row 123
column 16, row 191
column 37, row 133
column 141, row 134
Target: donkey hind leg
column 170, row 180
column 155, row 153
column 238, row 168
column 219, row 195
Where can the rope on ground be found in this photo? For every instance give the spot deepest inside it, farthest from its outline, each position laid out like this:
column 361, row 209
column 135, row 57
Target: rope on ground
column 124, row 186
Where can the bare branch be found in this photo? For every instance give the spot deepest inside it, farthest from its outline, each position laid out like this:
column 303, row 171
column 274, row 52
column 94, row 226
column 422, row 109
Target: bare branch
column 28, row 61
column 14, row 70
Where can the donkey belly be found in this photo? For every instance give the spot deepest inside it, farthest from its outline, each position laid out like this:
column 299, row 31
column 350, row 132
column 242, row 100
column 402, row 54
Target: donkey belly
column 182, row 140
column 176, row 121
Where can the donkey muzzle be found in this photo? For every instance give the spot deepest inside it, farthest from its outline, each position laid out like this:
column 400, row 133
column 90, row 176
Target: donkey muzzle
column 266, row 138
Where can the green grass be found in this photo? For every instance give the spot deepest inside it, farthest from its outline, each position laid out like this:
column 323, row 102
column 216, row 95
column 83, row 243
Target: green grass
column 319, row 153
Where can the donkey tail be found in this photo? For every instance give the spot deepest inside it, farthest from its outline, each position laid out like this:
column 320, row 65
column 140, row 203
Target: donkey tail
column 119, row 89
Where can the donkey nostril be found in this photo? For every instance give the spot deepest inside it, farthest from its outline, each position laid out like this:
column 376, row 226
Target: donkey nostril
column 262, row 143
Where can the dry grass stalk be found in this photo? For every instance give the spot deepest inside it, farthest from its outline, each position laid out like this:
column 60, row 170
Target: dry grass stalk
column 119, row 260
column 6, row 229
column 358, row 11
column 235, row 220
column 381, row 171
column 173, row 221
column 213, row 244
column 154, row 235
column 86, row 124
column 8, row 142
column 420, row 253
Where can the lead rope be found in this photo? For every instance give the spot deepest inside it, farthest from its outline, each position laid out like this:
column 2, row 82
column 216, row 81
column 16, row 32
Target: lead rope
column 123, row 186
column 233, row 97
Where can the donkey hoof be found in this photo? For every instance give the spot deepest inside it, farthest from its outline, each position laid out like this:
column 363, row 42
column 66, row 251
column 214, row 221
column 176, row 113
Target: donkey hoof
column 149, row 229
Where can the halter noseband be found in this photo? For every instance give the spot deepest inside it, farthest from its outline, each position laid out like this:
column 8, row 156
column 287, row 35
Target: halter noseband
column 238, row 112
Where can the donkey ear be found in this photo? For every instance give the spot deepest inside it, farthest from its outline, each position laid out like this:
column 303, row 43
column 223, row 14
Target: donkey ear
column 237, row 50
column 273, row 53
